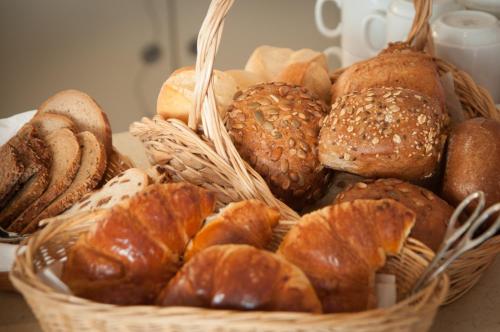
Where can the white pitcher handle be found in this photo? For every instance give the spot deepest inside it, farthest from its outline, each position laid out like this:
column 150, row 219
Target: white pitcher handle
column 320, row 24
column 375, row 16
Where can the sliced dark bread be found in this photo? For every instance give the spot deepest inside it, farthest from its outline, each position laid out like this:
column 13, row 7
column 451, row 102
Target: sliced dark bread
column 45, row 123
column 36, row 158
column 118, row 190
column 66, row 155
column 83, row 111
column 90, row 173
column 11, row 170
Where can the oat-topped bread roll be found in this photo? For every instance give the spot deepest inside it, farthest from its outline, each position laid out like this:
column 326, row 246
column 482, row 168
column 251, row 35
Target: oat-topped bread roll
column 397, row 66
column 275, row 127
column 384, row 132
column 247, row 222
column 432, row 212
column 240, row 277
column 340, row 247
column 128, row 257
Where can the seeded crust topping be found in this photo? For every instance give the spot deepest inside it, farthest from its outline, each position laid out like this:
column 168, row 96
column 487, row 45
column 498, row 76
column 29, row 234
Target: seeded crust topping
column 275, row 127
column 382, row 125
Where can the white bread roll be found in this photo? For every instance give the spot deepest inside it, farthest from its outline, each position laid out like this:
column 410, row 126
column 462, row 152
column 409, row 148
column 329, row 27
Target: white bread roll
column 176, row 97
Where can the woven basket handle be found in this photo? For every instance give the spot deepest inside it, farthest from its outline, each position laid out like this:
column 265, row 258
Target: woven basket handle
column 205, row 109
column 420, row 33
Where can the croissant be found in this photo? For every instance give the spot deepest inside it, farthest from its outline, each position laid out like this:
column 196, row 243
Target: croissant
column 131, row 254
column 240, row 277
column 340, row 247
column 246, row 222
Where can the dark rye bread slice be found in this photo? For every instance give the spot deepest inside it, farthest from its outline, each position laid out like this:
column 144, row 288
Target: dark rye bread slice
column 90, row 173
column 66, row 155
column 36, row 158
column 11, row 170
column 83, row 111
column 45, row 123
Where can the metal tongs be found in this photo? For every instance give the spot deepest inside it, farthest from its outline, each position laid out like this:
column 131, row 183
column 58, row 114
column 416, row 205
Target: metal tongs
column 459, row 240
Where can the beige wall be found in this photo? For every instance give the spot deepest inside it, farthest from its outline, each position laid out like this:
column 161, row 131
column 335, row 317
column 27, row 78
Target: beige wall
column 95, row 46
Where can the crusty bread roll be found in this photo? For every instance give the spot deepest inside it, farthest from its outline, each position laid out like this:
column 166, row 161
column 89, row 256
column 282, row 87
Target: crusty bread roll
column 304, row 67
column 244, row 79
column 431, row 211
column 340, row 248
column 176, row 97
column 247, row 222
column 384, row 132
column 275, row 126
column 240, row 277
column 473, row 161
column 397, row 66
column 131, row 254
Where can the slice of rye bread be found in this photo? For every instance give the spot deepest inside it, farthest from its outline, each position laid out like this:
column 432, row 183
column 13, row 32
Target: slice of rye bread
column 36, row 158
column 66, row 155
column 83, row 111
column 11, row 171
column 45, row 123
column 90, row 173
column 116, row 191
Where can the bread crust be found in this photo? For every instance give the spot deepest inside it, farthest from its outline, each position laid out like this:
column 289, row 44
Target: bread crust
column 340, row 247
column 274, row 127
column 247, row 222
column 473, row 161
column 240, row 277
column 384, row 132
column 397, row 66
column 432, row 213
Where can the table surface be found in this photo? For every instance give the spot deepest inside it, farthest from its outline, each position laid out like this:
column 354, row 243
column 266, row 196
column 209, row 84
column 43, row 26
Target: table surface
column 478, row 310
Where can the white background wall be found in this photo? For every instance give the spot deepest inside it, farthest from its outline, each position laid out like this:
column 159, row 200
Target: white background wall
column 96, row 45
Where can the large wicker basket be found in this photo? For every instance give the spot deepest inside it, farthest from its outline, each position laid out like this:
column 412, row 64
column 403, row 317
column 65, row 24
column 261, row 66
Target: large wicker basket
column 210, row 159
column 59, row 312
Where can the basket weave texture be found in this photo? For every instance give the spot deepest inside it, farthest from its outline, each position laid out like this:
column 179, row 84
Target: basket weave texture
column 202, row 153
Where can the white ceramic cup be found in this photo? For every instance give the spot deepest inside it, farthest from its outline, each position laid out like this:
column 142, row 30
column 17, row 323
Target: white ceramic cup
column 471, row 41
column 489, row 6
column 401, row 13
column 342, row 56
column 361, row 28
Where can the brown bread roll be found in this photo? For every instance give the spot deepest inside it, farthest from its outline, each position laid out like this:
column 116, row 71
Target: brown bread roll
column 275, row 127
column 247, row 222
column 384, row 132
column 240, row 277
column 397, row 66
column 473, row 161
column 432, row 212
column 131, row 254
column 340, row 248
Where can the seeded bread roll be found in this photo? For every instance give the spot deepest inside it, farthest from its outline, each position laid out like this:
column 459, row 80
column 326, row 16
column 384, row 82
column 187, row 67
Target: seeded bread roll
column 384, row 132
column 275, row 127
column 397, row 66
column 432, row 212
column 473, row 161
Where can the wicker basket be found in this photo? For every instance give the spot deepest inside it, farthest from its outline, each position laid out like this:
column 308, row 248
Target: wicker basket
column 212, row 161
column 60, row 312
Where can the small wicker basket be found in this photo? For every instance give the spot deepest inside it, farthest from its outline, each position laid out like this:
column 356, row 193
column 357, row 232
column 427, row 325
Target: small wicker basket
column 212, row 161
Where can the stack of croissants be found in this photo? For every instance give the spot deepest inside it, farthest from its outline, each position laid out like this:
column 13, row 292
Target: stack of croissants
column 382, row 140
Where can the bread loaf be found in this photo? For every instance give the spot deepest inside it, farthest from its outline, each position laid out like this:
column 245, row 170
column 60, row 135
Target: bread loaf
column 473, row 161
column 131, row 254
column 340, row 248
column 83, row 111
column 176, row 97
column 12, row 170
column 66, row 154
column 432, row 213
column 90, row 172
column 397, row 66
column 244, row 79
column 384, row 132
column 45, row 123
column 274, row 126
column 240, row 277
column 247, row 222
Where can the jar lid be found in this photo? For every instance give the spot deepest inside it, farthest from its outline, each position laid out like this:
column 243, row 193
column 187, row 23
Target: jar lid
column 466, row 28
